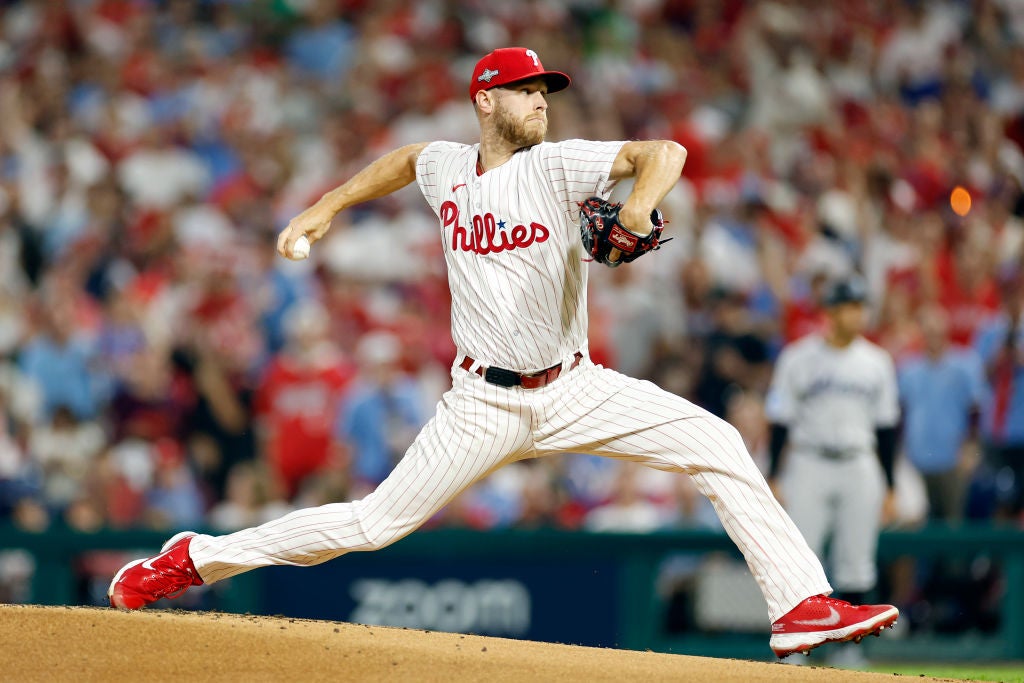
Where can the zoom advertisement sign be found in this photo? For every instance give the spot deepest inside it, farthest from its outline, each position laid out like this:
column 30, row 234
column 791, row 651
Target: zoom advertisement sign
column 558, row 602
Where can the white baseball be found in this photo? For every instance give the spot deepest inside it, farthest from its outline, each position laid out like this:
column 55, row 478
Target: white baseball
column 301, row 248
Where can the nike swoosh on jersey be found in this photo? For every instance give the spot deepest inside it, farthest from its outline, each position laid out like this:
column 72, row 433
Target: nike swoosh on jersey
column 455, row 187
column 832, row 619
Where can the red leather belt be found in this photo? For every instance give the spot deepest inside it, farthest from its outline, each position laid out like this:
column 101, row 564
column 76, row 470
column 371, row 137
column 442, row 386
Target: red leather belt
column 511, row 378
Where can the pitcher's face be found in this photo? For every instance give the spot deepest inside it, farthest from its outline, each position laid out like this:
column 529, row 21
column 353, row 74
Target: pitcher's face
column 521, row 113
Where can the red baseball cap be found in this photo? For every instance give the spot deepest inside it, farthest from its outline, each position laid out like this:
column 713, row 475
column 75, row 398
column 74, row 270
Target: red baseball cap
column 510, row 64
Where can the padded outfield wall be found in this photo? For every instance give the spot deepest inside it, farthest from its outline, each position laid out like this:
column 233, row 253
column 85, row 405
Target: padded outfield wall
column 682, row 591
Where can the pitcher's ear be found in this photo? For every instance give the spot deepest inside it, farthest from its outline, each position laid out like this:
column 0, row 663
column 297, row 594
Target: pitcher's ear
column 484, row 101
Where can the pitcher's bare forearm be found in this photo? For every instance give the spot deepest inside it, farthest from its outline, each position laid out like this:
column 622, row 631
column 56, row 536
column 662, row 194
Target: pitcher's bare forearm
column 656, row 165
column 390, row 173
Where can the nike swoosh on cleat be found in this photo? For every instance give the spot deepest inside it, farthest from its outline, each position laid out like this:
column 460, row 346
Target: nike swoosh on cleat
column 832, row 619
column 148, row 564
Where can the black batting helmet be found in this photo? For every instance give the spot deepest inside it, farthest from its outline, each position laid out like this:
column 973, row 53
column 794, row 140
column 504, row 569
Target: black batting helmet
column 849, row 290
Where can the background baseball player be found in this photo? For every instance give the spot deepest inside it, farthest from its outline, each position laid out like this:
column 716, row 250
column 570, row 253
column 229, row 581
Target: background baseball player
column 834, row 400
column 523, row 385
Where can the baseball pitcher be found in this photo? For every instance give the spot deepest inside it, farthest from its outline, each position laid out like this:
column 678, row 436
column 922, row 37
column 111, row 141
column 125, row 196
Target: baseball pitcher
column 520, row 219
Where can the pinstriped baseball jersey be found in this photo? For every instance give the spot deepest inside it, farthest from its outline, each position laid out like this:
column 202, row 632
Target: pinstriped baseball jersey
column 512, row 243
column 833, row 398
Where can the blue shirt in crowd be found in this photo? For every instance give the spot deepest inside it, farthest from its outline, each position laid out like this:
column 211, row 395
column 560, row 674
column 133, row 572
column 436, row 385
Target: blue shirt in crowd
column 938, row 397
column 369, row 420
column 324, row 52
column 1006, row 428
column 62, row 372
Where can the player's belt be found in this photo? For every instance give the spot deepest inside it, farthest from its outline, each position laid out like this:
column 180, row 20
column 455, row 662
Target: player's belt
column 511, row 378
column 837, row 453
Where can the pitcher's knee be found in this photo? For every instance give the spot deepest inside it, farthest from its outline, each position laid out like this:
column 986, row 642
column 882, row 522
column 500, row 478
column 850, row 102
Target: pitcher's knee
column 728, row 448
column 377, row 539
column 726, row 436
column 378, row 532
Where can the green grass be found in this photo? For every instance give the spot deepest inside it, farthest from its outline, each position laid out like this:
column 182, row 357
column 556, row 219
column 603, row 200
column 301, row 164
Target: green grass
column 1004, row 673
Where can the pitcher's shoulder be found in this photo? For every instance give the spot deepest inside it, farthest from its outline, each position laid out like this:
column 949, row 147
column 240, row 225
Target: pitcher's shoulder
column 440, row 148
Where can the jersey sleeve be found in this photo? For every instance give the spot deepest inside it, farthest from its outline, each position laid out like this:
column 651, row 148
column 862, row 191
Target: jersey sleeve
column 780, row 403
column 887, row 408
column 433, row 165
column 580, row 168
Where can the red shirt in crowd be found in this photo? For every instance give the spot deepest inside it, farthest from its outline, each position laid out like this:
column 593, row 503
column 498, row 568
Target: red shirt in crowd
column 969, row 301
column 298, row 405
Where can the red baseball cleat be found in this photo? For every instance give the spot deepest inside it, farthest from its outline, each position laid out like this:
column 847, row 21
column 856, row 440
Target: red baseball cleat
column 166, row 575
column 821, row 619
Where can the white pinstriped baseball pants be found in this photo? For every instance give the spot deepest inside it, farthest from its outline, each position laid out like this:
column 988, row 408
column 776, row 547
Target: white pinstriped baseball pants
column 480, row 427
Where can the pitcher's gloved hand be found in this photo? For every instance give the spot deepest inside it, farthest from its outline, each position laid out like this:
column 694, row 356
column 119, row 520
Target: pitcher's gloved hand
column 608, row 241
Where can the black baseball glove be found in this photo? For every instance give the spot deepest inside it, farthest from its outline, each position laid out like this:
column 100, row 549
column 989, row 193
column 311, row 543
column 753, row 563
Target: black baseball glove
column 608, row 241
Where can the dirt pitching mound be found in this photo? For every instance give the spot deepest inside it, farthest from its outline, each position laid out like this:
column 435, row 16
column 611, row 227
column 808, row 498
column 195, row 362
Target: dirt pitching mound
column 93, row 644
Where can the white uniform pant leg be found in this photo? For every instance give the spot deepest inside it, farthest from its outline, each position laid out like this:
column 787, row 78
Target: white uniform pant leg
column 600, row 411
column 477, row 429
column 858, row 517
column 808, row 486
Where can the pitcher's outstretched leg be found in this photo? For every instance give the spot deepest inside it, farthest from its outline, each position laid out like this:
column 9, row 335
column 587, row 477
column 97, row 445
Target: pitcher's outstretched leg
column 449, row 455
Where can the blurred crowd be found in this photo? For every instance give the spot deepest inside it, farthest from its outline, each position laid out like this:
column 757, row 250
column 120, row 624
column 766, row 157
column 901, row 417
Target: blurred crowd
column 160, row 366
